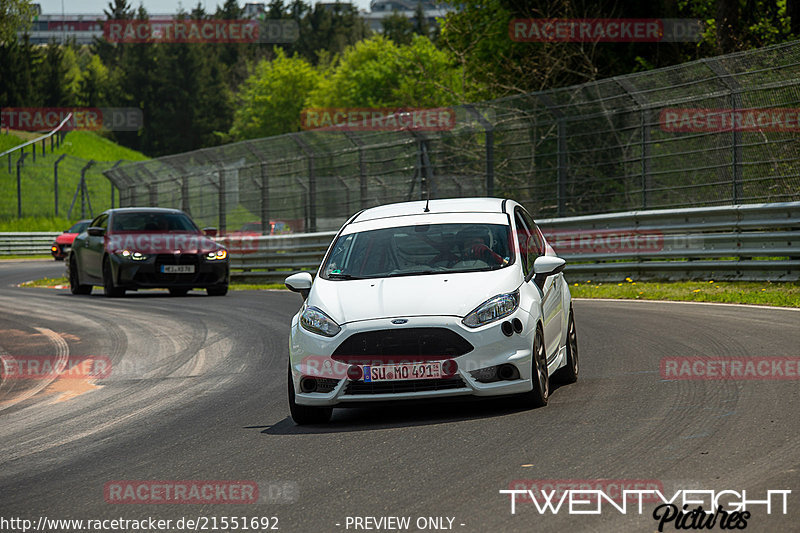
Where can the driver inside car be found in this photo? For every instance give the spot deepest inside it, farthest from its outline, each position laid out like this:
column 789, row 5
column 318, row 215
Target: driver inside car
column 474, row 247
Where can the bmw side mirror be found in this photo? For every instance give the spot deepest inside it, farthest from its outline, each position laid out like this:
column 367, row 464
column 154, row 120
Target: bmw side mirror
column 546, row 265
column 300, row 282
column 96, row 231
column 210, row 232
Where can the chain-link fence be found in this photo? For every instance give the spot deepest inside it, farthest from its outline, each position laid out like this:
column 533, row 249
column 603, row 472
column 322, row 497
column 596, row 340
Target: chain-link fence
column 656, row 139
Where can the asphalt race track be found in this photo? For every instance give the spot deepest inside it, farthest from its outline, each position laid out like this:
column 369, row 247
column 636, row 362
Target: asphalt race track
column 197, row 392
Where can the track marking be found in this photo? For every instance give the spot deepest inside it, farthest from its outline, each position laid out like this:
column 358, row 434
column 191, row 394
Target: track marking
column 62, row 356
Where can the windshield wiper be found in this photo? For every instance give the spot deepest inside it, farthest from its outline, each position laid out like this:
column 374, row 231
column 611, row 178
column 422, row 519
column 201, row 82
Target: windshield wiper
column 339, row 275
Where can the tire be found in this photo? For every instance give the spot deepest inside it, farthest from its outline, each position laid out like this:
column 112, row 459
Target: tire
column 74, row 286
column 569, row 373
column 220, row 290
column 306, row 414
column 173, row 291
column 541, row 381
column 109, row 289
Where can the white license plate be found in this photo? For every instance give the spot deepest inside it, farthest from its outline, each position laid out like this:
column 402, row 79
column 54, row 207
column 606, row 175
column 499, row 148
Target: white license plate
column 177, row 269
column 431, row 370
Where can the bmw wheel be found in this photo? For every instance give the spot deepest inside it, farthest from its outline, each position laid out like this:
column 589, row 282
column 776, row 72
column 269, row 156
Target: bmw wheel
column 109, row 288
column 74, row 284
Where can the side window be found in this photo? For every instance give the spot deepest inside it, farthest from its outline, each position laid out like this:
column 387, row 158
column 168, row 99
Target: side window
column 536, row 244
column 524, row 238
column 100, row 221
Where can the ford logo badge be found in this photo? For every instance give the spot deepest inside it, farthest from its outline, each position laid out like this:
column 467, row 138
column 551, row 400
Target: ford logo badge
column 399, row 321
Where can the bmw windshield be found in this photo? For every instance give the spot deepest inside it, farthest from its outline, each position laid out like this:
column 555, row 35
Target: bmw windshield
column 418, row 250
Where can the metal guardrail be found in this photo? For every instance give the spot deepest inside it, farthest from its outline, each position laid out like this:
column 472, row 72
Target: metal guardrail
column 748, row 242
column 32, row 243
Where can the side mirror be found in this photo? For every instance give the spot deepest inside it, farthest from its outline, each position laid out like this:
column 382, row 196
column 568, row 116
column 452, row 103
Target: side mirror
column 546, row 265
column 96, row 231
column 300, row 282
column 210, row 232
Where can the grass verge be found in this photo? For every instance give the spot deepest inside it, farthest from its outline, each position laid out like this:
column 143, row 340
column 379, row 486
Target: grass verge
column 781, row 294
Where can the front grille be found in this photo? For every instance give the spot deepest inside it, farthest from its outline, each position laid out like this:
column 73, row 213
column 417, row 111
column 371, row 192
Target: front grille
column 401, row 345
column 409, row 385
column 326, row 384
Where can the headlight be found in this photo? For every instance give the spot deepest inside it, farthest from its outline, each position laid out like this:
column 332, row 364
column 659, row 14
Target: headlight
column 318, row 322
column 136, row 256
column 219, row 254
column 492, row 309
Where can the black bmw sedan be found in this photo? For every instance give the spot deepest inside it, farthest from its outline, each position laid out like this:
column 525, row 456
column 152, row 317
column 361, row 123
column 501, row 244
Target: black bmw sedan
column 138, row 247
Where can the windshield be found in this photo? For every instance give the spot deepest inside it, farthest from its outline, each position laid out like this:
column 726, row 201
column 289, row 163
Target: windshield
column 423, row 249
column 152, row 221
column 79, row 227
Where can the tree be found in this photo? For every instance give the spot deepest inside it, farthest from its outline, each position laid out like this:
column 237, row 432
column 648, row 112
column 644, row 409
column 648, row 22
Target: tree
column 93, row 86
column 54, row 80
column 421, row 26
column 376, row 72
column 15, row 16
column 398, row 28
column 271, row 99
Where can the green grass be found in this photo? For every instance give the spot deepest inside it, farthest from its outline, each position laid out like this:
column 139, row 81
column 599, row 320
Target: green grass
column 16, row 256
column 7, row 142
column 783, row 294
column 45, row 282
column 256, row 286
column 37, row 177
column 35, row 224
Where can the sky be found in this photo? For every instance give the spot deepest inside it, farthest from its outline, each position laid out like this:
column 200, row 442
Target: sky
column 53, row 7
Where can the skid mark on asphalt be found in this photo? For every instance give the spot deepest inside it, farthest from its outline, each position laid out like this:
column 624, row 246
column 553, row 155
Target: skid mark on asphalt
column 59, row 363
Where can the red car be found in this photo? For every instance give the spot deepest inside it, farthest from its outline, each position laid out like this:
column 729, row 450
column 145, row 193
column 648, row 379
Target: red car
column 63, row 243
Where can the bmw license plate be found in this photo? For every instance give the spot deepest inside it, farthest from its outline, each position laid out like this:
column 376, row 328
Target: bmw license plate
column 177, row 269
column 431, row 370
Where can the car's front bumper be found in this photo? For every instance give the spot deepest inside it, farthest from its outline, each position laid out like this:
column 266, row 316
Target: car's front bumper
column 148, row 274
column 312, row 355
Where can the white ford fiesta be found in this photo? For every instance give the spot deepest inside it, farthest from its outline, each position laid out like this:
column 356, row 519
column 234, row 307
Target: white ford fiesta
column 431, row 299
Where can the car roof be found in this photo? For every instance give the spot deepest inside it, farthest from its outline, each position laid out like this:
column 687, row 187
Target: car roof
column 143, row 210
column 451, row 205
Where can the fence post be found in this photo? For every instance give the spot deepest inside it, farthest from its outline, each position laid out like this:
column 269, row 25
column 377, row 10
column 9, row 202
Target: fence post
column 312, row 182
column 561, row 158
column 20, row 162
column 111, row 183
column 362, row 171
column 488, row 129
column 735, row 90
column 33, row 149
column 55, row 181
column 85, row 191
column 265, row 226
column 641, row 103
